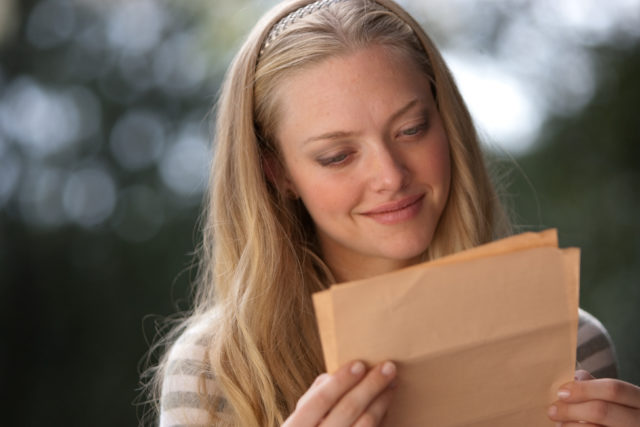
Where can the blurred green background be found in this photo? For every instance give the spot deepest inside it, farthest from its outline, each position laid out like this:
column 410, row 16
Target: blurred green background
column 104, row 147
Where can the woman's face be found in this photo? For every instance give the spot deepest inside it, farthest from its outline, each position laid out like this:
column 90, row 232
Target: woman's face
column 365, row 149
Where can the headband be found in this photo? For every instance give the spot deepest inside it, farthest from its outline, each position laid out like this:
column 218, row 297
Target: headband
column 292, row 17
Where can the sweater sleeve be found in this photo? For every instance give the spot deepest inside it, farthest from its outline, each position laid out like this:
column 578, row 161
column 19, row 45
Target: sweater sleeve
column 188, row 384
column 595, row 352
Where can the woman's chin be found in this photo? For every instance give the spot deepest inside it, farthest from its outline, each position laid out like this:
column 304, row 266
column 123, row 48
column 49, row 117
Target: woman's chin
column 407, row 256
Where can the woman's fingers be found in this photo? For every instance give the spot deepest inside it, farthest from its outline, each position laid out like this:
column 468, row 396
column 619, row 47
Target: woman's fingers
column 605, row 389
column 599, row 402
column 319, row 380
column 324, row 394
column 360, row 401
column 597, row 412
column 375, row 412
column 351, row 395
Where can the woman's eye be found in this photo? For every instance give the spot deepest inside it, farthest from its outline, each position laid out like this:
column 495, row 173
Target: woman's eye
column 334, row 160
column 413, row 130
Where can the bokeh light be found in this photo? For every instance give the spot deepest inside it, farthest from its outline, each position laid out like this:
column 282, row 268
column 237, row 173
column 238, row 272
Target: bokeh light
column 51, row 23
column 135, row 27
column 185, row 165
column 179, row 66
column 45, row 121
column 137, row 139
column 89, row 196
column 40, row 196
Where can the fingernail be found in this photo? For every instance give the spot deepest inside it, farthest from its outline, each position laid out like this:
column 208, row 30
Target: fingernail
column 357, row 368
column 320, row 379
column 558, row 424
column 552, row 411
column 563, row 394
column 388, row 369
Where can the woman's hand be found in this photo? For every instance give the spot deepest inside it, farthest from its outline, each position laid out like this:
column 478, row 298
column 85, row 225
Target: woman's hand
column 596, row 402
column 352, row 396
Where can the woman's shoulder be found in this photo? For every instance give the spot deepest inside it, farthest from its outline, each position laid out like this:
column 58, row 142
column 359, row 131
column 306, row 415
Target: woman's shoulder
column 188, row 386
column 595, row 350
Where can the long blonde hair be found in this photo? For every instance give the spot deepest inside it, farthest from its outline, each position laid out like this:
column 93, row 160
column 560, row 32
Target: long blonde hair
column 259, row 258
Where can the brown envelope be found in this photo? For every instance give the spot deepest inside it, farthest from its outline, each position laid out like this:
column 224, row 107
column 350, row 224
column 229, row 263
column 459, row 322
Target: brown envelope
column 483, row 337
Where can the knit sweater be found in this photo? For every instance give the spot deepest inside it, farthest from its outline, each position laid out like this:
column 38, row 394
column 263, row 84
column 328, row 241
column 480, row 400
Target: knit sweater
column 188, row 380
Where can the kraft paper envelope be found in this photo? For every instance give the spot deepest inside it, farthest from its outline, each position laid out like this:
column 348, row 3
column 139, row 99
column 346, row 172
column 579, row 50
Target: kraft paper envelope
column 483, row 337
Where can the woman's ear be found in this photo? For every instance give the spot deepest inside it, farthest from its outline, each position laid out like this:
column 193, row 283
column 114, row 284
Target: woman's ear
column 277, row 176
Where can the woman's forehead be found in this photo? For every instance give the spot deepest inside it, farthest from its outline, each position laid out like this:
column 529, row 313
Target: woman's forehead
column 371, row 81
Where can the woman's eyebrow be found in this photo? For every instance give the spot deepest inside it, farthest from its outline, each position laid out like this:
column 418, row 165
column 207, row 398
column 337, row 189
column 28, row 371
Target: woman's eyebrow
column 404, row 109
column 330, row 135
column 344, row 134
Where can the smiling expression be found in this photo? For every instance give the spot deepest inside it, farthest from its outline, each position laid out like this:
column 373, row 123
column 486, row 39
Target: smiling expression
column 365, row 149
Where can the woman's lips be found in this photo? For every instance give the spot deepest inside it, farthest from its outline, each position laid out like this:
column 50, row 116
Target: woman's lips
column 395, row 212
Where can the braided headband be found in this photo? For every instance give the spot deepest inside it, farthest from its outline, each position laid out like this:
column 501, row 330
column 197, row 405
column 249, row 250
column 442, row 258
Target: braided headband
column 292, row 17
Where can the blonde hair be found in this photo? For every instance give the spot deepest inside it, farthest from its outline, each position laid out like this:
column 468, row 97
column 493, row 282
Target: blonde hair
column 259, row 258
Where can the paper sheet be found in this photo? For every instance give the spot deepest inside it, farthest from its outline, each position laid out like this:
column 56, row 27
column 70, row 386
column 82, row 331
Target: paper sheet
column 481, row 338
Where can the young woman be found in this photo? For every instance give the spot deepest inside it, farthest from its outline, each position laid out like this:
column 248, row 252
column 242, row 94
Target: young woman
column 343, row 150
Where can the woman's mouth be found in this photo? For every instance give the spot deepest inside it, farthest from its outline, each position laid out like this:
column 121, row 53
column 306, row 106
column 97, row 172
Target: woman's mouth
column 397, row 211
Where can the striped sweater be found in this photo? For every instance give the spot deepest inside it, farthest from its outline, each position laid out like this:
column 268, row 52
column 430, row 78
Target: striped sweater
column 188, row 380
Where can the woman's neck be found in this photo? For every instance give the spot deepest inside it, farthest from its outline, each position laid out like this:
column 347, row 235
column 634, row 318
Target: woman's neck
column 346, row 268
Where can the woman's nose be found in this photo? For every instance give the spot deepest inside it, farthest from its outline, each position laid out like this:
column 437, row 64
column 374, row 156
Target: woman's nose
column 388, row 170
